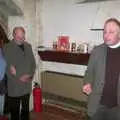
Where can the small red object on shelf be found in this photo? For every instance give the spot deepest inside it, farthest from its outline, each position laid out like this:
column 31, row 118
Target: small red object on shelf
column 63, row 43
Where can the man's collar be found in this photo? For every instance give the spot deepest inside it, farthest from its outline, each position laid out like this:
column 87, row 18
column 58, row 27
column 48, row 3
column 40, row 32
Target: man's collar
column 115, row 46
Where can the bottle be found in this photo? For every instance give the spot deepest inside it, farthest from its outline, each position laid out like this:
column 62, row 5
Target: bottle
column 37, row 98
column 73, row 47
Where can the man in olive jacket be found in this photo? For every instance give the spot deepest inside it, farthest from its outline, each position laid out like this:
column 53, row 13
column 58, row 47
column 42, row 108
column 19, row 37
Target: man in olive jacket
column 102, row 79
column 20, row 71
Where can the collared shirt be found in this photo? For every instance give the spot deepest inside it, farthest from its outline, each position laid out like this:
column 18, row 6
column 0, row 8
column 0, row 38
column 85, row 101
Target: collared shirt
column 2, row 65
column 115, row 46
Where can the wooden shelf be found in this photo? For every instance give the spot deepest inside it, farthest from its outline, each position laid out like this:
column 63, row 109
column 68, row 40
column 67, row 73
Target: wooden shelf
column 64, row 57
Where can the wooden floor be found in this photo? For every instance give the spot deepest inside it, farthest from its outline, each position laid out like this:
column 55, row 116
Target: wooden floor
column 52, row 112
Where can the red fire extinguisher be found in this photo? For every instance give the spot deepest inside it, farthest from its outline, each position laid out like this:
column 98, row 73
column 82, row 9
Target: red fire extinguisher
column 37, row 98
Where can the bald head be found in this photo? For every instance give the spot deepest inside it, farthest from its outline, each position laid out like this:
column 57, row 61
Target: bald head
column 19, row 35
column 111, row 33
column 113, row 20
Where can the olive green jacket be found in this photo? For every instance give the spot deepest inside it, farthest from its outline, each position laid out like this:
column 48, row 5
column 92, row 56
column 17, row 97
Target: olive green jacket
column 24, row 63
column 95, row 75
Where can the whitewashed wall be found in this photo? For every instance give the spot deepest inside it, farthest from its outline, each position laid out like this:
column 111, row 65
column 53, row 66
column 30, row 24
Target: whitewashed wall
column 65, row 17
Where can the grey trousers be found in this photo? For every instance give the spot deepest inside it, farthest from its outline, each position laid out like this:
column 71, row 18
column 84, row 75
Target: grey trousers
column 103, row 113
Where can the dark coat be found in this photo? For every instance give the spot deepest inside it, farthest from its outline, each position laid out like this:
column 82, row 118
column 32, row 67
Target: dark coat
column 24, row 63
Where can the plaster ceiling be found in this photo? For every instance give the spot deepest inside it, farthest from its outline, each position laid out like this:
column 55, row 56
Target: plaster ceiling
column 8, row 7
column 92, row 1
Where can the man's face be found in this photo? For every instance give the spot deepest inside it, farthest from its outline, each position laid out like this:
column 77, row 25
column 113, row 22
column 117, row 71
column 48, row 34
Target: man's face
column 111, row 33
column 19, row 36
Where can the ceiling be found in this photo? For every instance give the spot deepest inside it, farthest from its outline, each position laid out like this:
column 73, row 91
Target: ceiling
column 92, row 1
column 8, row 7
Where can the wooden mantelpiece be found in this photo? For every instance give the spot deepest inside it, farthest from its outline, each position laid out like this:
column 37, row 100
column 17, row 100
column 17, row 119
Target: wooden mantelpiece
column 64, row 57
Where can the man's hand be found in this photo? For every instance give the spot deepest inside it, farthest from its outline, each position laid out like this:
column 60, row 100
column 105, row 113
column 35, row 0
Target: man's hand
column 25, row 78
column 87, row 88
column 12, row 70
